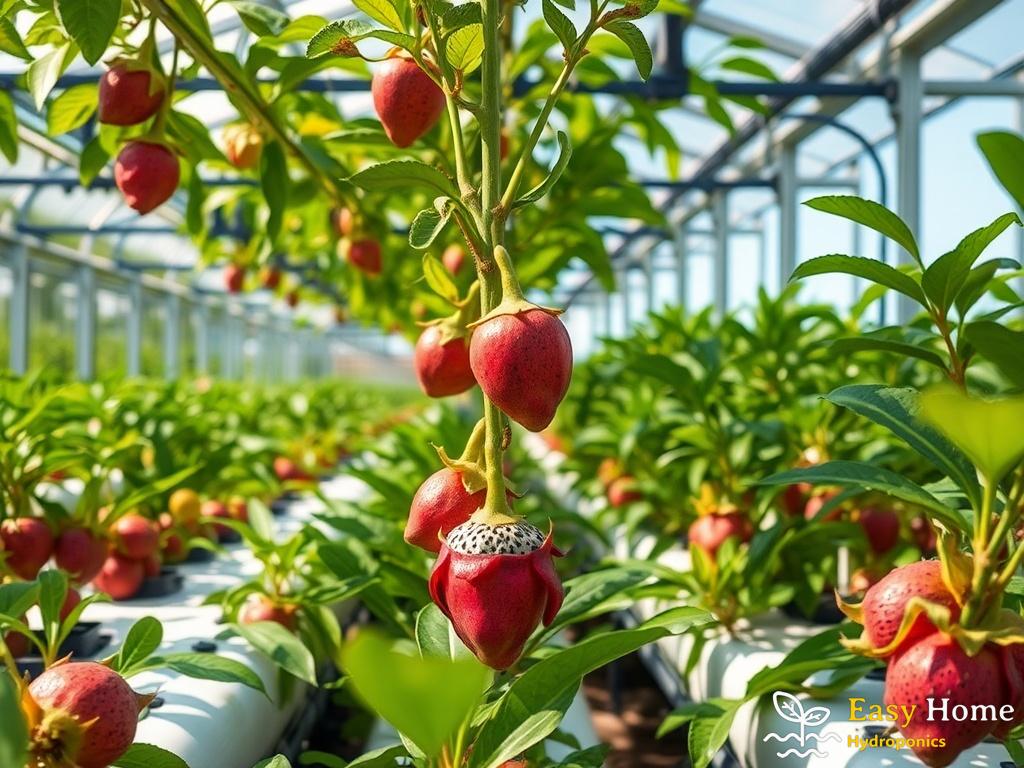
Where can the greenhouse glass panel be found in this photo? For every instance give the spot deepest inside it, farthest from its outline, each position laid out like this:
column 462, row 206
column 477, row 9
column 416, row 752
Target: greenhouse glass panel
column 52, row 316
column 154, row 326
column 113, row 306
column 6, row 285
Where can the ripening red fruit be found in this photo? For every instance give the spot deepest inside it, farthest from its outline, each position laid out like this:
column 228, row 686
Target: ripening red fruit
column 882, row 528
column 795, row 497
column 1012, row 657
column 523, row 363
column 147, row 174
column 286, row 469
column 124, row 96
column 238, row 509
column 608, row 471
column 265, row 609
column 622, row 491
column 28, row 543
column 441, row 503
column 71, row 601
column 80, row 553
column 270, row 278
column 442, row 369
column 364, row 255
column 152, row 566
column 242, row 145
column 234, row 278
column 496, row 583
column 710, row 532
column 937, row 669
column 136, row 536
column 407, row 101
column 885, row 603
column 214, row 508
column 120, row 577
column 89, row 715
column 453, row 258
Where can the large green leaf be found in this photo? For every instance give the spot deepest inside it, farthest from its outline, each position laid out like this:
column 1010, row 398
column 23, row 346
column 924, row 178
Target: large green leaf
column 897, row 410
column 983, row 429
column 8, row 128
column 382, row 11
column 535, row 703
column 636, row 41
column 142, row 640
column 397, row 686
column 883, row 343
column 1002, row 346
column 149, row 756
column 870, row 214
column 281, row 647
column 72, row 109
column 1005, row 154
column 44, row 72
column 209, row 666
column 10, row 40
column 869, row 269
column 90, row 23
column 274, row 181
column 862, row 475
column 401, row 174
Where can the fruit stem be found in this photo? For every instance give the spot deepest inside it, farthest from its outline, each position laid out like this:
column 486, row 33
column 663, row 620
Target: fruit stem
column 475, row 444
column 511, row 290
column 984, row 565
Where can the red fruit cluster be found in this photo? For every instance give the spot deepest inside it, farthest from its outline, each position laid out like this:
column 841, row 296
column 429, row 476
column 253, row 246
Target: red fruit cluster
column 147, row 174
column 81, row 553
column 407, row 101
column 135, row 555
column 28, row 543
column 442, row 366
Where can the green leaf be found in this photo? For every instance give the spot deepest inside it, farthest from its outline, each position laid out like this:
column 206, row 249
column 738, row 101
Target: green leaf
column 194, row 220
column 710, row 729
column 535, row 703
column 400, row 174
column 16, row 597
column 281, row 647
column 14, row 734
column 385, row 757
column 879, row 343
column 465, row 46
column 898, row 411
column 72, row 109
column 90, row 23
column 44, row 72
column 261, row 20
column 869, row 269
column 142, row 640
column 459, row 16
column 8, row 128
column 149, row 756
column 208, row 666
column 277, row 761
column 428, row 224
column 978, row 282
column 636, row 41
column 274, row 181
column 91, row 161
column 436, row 637
column 564, row 155
column 585, row 593
column 863, row 475
column 560, row 24
column 395, row 685
column 382, row 11
column 439, row 279
column 749, row 66
column 10, row 41
column 338, row 38
column 870, row 214
column 945, row 278
column 979, row 428
column 1005, row 154
column 1001, row 346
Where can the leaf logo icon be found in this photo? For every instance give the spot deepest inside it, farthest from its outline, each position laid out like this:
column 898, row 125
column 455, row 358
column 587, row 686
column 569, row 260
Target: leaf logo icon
column 790, row 707
column 816, row 715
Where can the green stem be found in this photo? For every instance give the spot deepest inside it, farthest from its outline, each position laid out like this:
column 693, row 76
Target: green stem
column 984, row 565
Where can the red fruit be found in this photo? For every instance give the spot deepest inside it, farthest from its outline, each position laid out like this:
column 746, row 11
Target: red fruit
column 407, row 101
column 286, row 470
column 29, row 544
column 453, row 258
column 270, row 278
column 709, row 532
column 794, row 498
column 936, row 668
column 81, row 553
column 136, row 536
column 242, row 145
column 17, row 644
column 442, row 368
column 621, row 492
column 238, row 509
column 441, row 503
column 608, row 471
column 234, row 278
column 147, row 174
column 121, row 577
column 212, row 508
column 523, row 363
column 882, row 528
column 71, row 601
column 815, row 503
column 364, row 255
column 125, row 98
column 264, row 609
column 1012, row 657
column 885, row 603
column 89, row 715
column 496, row 583
column 924, row 535
column 152, row 566
column 173, row 548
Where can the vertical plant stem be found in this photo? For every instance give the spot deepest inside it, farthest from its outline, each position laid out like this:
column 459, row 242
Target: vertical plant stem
column 978, row 601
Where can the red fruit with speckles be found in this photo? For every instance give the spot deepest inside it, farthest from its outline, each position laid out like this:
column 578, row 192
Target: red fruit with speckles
column 710, row 532
column 937, row 669
column 441, row 503
column 264, row 609
column 622, row 491
column 28, row 543
column 89, row 715
column 523, row 363
column 120, row 577
column 882, row 528
column 81, row 553
column 125, row 96
column 407, row 101
column 147, row 174
column 885, row 603
column 442, row 369
column 453, row 258
column 364, row 255
column 136, row 536
column 234, row 278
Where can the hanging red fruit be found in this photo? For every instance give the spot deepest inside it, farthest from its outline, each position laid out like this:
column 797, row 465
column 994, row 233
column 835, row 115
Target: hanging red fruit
column 441, row 361
column 128, row 94
column 364, row 255
column 234, row 278
column 407, row 100
column 147, row 174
